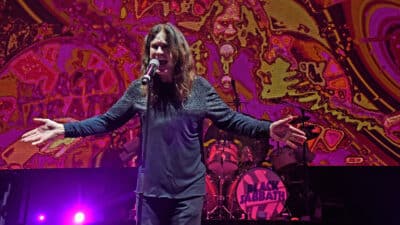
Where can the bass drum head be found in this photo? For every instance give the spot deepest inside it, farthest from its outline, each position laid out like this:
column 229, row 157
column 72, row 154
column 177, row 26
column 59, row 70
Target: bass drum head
column 259, row 193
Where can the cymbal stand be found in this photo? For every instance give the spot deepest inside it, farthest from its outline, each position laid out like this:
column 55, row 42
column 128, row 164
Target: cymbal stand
column 305, row 173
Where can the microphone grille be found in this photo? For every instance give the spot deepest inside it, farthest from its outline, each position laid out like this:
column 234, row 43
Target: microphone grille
column 154, row 62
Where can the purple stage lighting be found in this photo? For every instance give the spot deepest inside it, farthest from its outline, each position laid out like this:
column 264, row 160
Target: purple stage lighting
column 79, row 218
column 41, row 218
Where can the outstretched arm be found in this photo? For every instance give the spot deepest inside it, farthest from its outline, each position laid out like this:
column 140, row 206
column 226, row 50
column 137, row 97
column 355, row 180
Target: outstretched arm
column 280, row 130
column 116, row 116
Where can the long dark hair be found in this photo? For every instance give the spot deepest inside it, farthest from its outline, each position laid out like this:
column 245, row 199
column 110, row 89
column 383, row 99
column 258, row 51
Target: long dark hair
column 184, row 71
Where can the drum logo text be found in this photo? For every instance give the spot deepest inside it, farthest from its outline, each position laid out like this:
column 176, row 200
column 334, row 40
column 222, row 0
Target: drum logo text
column 264, row 191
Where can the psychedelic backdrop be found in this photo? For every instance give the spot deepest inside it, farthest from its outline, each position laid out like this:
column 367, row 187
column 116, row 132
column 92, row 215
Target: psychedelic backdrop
column 335, row 61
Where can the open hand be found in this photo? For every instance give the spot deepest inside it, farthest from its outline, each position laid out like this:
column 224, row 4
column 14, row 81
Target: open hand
column 50, row 129
column 282, row 131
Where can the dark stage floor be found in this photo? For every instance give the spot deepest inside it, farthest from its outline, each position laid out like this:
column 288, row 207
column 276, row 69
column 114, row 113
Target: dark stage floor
column 347, row 195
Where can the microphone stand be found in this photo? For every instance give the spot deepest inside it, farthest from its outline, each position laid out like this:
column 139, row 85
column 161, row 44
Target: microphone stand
column 142, row 159
column 236, row 100
column 305, row 170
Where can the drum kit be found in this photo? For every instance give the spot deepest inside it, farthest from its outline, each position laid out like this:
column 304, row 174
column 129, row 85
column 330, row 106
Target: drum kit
column 239, row 185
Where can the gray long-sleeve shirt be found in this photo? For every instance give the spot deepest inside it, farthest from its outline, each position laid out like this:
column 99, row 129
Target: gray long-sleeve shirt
column 174, row 167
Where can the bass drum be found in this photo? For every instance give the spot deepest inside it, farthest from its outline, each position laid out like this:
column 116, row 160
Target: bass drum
column 258, row 194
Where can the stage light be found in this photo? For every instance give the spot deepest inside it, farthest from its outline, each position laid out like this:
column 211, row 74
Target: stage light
column 79, row 218
column 41, row 217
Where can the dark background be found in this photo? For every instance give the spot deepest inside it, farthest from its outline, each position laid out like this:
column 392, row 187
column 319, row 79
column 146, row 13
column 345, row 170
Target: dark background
column 349, row 195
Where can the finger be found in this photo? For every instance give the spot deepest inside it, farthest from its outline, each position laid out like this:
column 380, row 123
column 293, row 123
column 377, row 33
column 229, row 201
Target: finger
column 42, row 120
column 33, row 137
column 299, row 136
column 38, row 142
column 284, row 120
column 29, row 133
column 296, row 130
column 39, row 138
column 291, row 144
column 300, row 139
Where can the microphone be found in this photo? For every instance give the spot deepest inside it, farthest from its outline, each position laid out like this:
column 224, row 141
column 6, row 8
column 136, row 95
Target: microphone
column 151, row 69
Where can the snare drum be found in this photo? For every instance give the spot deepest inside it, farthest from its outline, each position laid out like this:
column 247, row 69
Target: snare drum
column 260, row 194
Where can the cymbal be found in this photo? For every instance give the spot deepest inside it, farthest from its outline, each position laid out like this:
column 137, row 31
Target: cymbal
column 300, row 119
